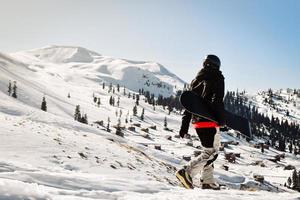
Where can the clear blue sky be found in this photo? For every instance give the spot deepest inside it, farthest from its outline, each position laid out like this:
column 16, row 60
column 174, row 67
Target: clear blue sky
column 258, row 41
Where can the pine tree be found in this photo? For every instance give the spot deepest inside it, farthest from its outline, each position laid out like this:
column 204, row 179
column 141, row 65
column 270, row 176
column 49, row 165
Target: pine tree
column 291, row 147
column 118, row 129
column 103, row 85
column 126, row 119
column 118, row 102
column 84, row 119
column 137, row 99
column 99, row 102
column 77, row 115
column 108, row 124
column 69, row 96
column 298, row 188
column 142, row 115
column 14, row 94
column 44, row 105
column 120, row 113
column 9, row 88
column 118, row 87
column 95, row 99
column 134, row 110
column 111, row 100
column 170, row 109
column 110, row 87
column 295, row 179
column 124, row 91
column 165, row 123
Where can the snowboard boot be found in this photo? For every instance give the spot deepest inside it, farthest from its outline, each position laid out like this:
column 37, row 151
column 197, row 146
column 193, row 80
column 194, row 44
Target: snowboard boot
column 185, row 178
column 211, row 186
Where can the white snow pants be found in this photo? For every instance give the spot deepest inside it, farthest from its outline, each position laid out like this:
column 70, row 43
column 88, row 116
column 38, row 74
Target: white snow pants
column 204, row 162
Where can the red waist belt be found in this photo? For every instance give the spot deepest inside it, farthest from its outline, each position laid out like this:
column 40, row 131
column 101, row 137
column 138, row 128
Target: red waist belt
column 205, row 125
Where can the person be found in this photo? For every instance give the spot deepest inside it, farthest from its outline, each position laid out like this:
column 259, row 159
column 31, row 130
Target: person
column 209, row 84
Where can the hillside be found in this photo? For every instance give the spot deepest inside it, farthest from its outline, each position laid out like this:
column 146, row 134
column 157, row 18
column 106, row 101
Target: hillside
column 283, row 103
column 69, row 62
column 49, row 155
column 274, row 116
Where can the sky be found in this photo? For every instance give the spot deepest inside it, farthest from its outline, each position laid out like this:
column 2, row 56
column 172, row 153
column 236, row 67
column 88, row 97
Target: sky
column 258, row 41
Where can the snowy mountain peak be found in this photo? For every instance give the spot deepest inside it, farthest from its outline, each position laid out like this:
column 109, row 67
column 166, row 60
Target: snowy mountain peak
column 63, row 54
column 134, row 75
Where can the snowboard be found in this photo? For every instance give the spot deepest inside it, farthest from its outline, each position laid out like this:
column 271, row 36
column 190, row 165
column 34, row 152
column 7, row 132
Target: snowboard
column 202, row 108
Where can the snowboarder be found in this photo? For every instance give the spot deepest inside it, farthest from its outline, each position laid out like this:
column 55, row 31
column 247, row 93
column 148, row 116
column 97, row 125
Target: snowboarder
column 209, row 84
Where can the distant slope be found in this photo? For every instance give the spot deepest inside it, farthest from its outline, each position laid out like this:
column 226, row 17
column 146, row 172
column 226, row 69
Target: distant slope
column 134, row 75
column 283, row 103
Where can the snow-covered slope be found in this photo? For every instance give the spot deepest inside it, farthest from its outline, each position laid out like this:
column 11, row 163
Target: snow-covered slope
column 48, row 155
column 135, row 75
column 284, row 104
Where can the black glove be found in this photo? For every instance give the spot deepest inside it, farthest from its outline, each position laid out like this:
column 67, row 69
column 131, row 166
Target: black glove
column 182, row 133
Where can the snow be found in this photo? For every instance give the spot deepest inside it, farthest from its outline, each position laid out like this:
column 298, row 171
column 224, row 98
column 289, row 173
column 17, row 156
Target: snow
column 69, row 62
column 64, row 54
column 284, row 101
column 47, row 155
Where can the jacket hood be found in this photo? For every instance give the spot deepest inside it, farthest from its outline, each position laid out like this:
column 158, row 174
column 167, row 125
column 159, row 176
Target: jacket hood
column 209, row 74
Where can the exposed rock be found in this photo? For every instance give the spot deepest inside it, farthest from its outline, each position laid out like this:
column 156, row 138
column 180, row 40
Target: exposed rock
column 153, row 127
column 168, row 137
column 157, row 147
column 225, row 167
column 197, row 153
column 137, row 124
column 259, row 178
column 100, row 123
column 238, row 155
column 289, row 167
column 147, row 136
column 230, row 157
column 259, row 163
column 186, row 158
column 82, row 155
column 189, row 143
column 131, row 128
column 177, row 136
column 119, row 133
column 145, row 130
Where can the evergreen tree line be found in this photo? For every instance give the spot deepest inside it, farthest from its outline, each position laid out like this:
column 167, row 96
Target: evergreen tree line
column 280, row 131
column 171, row 102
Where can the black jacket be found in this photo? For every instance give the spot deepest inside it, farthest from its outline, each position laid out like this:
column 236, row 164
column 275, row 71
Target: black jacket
column 209, row 84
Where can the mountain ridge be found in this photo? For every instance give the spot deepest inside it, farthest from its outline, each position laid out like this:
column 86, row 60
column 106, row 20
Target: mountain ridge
column 151, row 76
